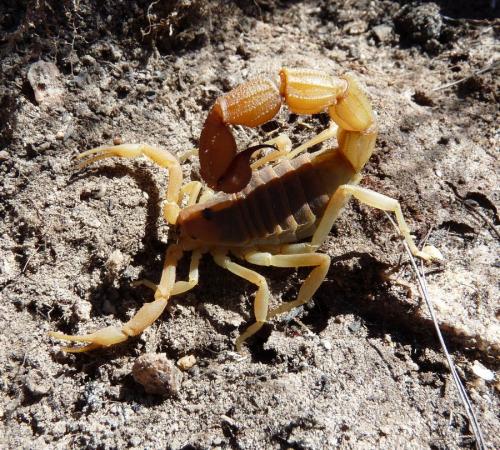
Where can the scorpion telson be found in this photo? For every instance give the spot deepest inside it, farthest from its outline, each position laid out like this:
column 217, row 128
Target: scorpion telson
column 279, row 209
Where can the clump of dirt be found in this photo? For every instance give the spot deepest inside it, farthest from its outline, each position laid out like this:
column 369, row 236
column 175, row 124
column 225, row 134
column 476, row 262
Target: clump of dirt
column 420, row 24
column 357, row 366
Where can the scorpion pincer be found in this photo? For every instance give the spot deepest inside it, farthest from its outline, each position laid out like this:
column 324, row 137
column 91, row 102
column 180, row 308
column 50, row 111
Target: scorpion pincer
column 274, row 211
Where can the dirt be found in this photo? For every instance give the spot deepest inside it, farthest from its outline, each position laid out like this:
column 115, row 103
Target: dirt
column 358, row 367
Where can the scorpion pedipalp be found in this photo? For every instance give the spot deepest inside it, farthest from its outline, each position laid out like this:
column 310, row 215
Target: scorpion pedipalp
column 250, row 104
column 217, row 148
column 239, row 172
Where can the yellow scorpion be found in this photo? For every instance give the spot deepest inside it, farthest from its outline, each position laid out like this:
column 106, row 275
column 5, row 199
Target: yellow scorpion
column 273, row 211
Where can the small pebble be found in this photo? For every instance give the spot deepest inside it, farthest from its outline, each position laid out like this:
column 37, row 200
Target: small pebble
column 413, row 366
column 423, row 98
column 217, row 441
column 186, row 362
column 117, row 140
column 93, row 222
column 382, row 33
column 4, row 155
column 81, row 310
column 116, row 262
column 93, row 192
column 88, row 60
column 37, row 385
column 327, row 345
column 45, row 80
column 354, row 327
column 385, row 430
column 60, row 135
column 135, row 441
column 157, row 374
column 482, row 372
column 421, row 24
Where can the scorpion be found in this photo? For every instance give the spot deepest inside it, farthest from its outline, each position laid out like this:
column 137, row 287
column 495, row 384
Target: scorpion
column 265, row 210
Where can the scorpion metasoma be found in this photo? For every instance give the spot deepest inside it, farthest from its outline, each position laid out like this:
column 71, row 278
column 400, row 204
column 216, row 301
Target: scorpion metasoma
column 268, row 207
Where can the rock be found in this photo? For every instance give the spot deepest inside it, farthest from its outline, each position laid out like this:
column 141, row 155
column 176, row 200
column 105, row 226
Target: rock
column 81, row 310
column 44, row 78
column 116, row 262
column 386, row 430
column 382, row 33
column 423, row 98
column 157, row 374
column 88, row 60
column 482, row 372
column 186, row 362
column 327, row 345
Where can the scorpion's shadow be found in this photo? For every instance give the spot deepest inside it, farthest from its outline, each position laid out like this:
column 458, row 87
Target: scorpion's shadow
column 152, row 250
column 356, row 285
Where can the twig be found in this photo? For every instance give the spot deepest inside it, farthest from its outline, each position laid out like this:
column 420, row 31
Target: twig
column 474, row 21
column 148, row 15
column 29, row 259
column 303, row 326
column 462, row 393
column 494, row 65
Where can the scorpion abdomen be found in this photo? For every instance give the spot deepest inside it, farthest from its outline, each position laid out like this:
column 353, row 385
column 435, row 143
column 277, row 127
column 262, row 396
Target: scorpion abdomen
column 281, row 204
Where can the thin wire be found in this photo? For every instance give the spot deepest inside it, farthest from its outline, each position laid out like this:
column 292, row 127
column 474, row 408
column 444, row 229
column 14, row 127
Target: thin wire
column 462, row 393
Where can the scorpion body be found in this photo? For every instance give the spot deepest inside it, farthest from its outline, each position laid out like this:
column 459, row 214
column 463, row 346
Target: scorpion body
column 266, row 207
column 280, row 205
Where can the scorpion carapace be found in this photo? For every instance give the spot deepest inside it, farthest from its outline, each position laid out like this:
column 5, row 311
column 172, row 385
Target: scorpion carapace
column 257, row 101
column 271, row 211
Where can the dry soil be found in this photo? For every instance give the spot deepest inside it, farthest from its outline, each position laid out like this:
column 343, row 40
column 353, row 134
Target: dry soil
column 358, row 367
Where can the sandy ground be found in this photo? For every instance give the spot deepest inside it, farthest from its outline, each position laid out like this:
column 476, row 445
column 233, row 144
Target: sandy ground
column 358, row 367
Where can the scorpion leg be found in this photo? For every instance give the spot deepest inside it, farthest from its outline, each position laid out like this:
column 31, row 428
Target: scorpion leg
column 207, row 193
column 261, row 303
column 284, row 145
column 146, row 315
column 311, row 283
column 161, row 157
column 329, row 133
column 333, row 209
column 180, row 286
column 192, row 191
column 380, row 201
